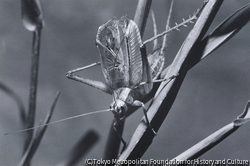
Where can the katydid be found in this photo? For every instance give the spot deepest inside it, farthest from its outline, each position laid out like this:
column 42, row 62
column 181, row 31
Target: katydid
column 128, row 71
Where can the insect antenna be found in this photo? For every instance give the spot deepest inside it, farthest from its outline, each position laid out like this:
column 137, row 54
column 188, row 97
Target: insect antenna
column 61, row 120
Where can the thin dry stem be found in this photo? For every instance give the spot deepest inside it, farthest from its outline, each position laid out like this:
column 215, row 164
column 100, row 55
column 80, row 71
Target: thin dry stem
column 30, row 119
column 167, row 27
column 141, row 14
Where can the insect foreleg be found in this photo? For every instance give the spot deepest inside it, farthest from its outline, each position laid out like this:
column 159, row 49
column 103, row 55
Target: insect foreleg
column 83, row 68
column 167, row 80
column 96, row 84
column 119, row 134
column 141, row 104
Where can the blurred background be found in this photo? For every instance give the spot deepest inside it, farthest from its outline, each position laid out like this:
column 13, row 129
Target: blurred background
column 214, row 92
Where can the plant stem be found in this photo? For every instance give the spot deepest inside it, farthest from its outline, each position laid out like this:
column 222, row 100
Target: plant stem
column 141, row 14
column 30, row 119
column 113, row 143
column 36, row 139
column 212, row 140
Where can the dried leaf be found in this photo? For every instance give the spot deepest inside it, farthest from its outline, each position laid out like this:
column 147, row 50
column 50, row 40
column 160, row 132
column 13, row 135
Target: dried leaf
column 220, row 35
column 226, row 30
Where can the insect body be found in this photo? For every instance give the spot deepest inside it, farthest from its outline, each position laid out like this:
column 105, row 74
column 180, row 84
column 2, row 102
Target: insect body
column 128, row 71
column 123, row 64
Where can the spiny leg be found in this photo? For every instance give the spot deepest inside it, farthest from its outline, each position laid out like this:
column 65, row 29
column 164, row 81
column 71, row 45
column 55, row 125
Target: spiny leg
column 96, row 84
column 156, row 59
column 119, row 134
column 176, row 27
column 141, row 104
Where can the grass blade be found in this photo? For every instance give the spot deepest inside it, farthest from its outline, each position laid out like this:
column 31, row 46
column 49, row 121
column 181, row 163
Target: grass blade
column 17, row 99
column 220, row 35
column 227, row 29
column 215, row 138
column 113, row 144
column 141, row 14
column 81, row 148
column 35, row 141
column 32, row 17
column 30, row 119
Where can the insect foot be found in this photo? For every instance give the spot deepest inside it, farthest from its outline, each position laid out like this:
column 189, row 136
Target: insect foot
column 115, row 125
column 69, row 74
column 119, row 109
column 141, row 104
column 172, row 77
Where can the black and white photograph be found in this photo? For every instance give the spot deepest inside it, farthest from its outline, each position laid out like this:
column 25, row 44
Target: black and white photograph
column 124, row 82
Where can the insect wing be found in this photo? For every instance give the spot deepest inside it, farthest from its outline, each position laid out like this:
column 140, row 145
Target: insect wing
column 114, row 63
column 147, row 85
column 156, row 62
column 135, row 58
column 119, row 44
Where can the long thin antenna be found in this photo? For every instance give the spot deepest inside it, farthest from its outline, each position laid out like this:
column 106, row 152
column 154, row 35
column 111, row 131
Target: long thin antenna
column 69, row 118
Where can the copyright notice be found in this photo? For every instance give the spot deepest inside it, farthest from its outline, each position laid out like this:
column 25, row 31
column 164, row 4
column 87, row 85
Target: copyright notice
column 167, row 162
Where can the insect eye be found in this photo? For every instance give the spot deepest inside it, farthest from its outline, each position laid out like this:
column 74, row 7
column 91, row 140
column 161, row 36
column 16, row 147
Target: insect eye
column 129, row 100
column 123, row 111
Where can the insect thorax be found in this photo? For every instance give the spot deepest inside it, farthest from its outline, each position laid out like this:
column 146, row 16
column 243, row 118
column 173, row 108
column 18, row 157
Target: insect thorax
column 124, row 94
column 121, row 97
